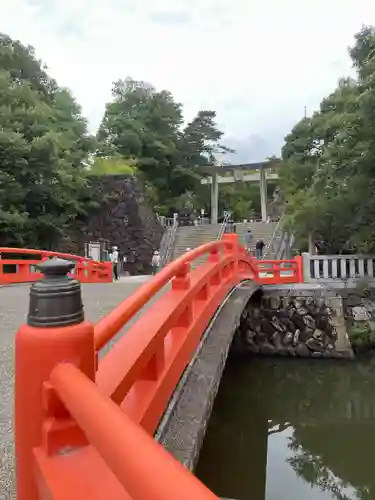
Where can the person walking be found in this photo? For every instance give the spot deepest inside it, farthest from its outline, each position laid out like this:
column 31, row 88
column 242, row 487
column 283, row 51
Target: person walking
column 248, row 240
column 155, row 262
column 114, row 260
column 259, row 247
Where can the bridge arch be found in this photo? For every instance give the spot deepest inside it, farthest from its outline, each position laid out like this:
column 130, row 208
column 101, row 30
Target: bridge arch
column 77, row 418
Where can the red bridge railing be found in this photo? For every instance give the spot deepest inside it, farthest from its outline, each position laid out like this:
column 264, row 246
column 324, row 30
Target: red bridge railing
column 279, row 272
column 84, row 429
column 18, row 265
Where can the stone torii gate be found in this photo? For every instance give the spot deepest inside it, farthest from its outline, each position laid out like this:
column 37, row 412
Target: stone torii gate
column 237, row 174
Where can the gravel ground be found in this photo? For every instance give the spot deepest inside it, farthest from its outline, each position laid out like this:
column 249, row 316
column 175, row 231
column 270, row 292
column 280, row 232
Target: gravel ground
column 98, row 300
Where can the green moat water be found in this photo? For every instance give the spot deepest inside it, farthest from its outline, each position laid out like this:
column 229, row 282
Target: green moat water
column 292, row 429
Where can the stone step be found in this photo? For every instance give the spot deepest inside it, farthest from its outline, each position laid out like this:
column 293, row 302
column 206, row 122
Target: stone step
column 194, row 236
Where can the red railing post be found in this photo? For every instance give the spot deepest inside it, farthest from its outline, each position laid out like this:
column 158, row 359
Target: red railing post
column 234, row 248
column 214, row 256
column 181, row 281
column 299, row 272
column 55, row 332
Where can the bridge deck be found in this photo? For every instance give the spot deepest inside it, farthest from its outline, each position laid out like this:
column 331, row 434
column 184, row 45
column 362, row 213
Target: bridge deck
column 98, row 300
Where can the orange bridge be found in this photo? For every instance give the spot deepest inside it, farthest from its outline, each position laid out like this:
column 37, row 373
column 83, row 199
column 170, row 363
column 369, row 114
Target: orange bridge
column 83, row 427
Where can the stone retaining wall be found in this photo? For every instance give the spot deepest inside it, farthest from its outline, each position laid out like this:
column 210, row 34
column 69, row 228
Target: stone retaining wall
column 288, row 323
column 360, row 319
column 124, row 218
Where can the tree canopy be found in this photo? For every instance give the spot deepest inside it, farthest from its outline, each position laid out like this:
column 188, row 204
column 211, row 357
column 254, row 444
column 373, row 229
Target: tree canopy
column 147, row 125
column 48, row 158
column 43, row 140
column 328, row 173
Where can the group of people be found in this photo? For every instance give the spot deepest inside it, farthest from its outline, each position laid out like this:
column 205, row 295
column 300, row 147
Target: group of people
column 259, row 245
column 156, row 258
column 114, row 258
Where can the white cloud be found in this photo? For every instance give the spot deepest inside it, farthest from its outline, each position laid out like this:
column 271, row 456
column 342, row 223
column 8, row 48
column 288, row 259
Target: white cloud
column 257, row 63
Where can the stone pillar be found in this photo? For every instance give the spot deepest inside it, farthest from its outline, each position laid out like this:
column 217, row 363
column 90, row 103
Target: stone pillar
column 342, row 343
column 214, row 198
column 312, row 249
column 263, row 194
column 306, row 267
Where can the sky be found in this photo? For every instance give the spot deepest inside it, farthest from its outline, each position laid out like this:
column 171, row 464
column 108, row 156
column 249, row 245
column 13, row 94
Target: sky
column 258, row 64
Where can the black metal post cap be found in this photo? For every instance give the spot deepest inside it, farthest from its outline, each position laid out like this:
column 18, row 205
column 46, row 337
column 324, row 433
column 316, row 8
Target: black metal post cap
column 56, row 299
column 55, row 267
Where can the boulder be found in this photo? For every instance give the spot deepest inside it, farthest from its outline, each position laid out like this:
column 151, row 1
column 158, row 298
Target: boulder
column 302, row 351
column 267, row 348
column 360, row 313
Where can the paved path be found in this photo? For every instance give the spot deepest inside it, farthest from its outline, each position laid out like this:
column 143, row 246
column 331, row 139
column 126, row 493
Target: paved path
column 98, row 300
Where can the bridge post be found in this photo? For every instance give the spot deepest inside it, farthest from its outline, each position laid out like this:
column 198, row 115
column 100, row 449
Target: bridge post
column 55, row 333
column 263, row 193
column 300, row 268
column 306, row 267
column 232, row 246
column 214, row 198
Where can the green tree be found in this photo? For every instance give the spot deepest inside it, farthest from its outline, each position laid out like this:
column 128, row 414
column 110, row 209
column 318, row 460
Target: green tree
column 198, row 146
column 111, row 165
column 142, row 123
column 43, row 141
column 328, row 174
column 200, row 140
column 145, row 124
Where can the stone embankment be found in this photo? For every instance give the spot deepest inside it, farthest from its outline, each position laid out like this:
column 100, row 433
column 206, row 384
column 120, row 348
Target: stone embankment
column 360, row 319
column 287, row 323
column 124, row 218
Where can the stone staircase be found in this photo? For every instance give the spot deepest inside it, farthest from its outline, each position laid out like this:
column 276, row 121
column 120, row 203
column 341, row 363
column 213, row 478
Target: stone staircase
column 261, row 231
column 194, row 236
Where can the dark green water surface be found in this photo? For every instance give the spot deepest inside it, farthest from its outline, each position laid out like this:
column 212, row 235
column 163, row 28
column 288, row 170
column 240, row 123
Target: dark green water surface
column 293, row 430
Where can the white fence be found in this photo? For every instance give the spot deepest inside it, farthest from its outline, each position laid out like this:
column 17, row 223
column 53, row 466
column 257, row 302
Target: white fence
column 338, row 268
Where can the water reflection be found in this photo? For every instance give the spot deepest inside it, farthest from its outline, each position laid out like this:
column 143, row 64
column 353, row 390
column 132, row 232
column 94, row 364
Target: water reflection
column 292, row 429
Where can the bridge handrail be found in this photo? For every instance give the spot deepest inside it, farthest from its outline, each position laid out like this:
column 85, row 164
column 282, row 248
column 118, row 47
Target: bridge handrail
column 120, row 443
column 136, row 377
column 223, row 226
column 170, row 243
column 139, row 374
column 154, row 357
column 86, row 270
column 112, row 323
column 43, row 253
column 280, row 271
column 273, row 237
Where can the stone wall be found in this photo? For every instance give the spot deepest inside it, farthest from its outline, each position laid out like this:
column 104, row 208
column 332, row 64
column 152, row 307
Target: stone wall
column 294, row 324
column 124, row 218
column 359, row 310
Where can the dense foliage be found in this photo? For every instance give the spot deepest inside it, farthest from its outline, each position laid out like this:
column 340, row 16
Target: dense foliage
column 47, row 156
column 111, row 165
column 143, row 124
column 43, row 140
column 328, row 175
